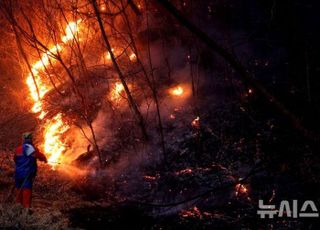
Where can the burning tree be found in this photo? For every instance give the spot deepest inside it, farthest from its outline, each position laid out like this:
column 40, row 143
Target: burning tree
column 66, row 47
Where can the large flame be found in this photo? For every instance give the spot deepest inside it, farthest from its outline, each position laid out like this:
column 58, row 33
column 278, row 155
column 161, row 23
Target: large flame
column 34, row 77
column 53, row 144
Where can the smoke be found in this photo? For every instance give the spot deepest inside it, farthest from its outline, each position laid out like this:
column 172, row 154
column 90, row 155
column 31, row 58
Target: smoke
column 109, row 122
column 78, row 143
column 100, row 127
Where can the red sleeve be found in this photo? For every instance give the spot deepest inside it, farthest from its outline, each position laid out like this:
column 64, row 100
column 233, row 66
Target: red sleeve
column 18, row 152
column 40, row 156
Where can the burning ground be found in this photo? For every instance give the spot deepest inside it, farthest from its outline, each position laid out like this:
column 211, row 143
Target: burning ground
column 146, row 121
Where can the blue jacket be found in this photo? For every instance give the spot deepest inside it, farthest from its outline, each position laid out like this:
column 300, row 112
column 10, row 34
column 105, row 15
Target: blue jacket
column 26, row 160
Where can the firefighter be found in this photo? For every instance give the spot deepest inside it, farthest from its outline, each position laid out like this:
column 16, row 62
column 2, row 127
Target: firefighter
column 25, row 158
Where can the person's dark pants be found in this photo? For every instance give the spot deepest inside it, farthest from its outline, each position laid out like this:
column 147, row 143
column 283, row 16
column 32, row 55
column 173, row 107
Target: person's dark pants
column 24, row 191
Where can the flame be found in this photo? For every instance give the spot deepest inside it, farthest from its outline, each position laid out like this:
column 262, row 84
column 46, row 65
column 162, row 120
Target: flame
column 71, row 31
column 53, row 145
column 177, row 91
column 117, row 52
column 35, row 77
column 133, row 57
column 108, row 55
column 118, row 92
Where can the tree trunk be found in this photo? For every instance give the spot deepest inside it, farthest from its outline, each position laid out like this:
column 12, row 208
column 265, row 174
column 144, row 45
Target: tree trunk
column 132, row 103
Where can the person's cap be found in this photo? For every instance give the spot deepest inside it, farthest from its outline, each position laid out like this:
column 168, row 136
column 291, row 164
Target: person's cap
column 27, row 136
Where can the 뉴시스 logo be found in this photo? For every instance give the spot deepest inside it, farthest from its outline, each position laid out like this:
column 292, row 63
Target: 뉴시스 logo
column 286, row 210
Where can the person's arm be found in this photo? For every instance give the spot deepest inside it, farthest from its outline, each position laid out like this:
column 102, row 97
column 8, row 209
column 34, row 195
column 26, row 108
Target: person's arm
column 40, row 156
column 17, row 152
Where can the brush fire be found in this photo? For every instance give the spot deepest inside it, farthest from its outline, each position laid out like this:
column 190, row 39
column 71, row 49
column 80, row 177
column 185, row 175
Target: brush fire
column 53, row 143
column 143, row 114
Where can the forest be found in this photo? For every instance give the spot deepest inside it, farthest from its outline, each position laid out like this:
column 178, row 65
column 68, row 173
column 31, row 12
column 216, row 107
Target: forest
column 159, row 114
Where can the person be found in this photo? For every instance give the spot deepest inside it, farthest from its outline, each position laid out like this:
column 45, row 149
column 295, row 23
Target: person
column 25, row 158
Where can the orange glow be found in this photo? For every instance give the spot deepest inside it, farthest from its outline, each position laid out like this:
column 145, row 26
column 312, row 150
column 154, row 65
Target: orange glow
column 133, row 57
column 184, row 171
column 103, row 8
column 177, row 91
column 191, row 213
column 116, row 92
column 107, row 55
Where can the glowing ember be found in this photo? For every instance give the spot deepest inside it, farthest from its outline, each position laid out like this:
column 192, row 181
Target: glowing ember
column 150, row 178
column 103, row 8
column 184, row 171
column 196, row 123
column 191, row 213
column 133, row 57
column 177, row 91
column 241, row 189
